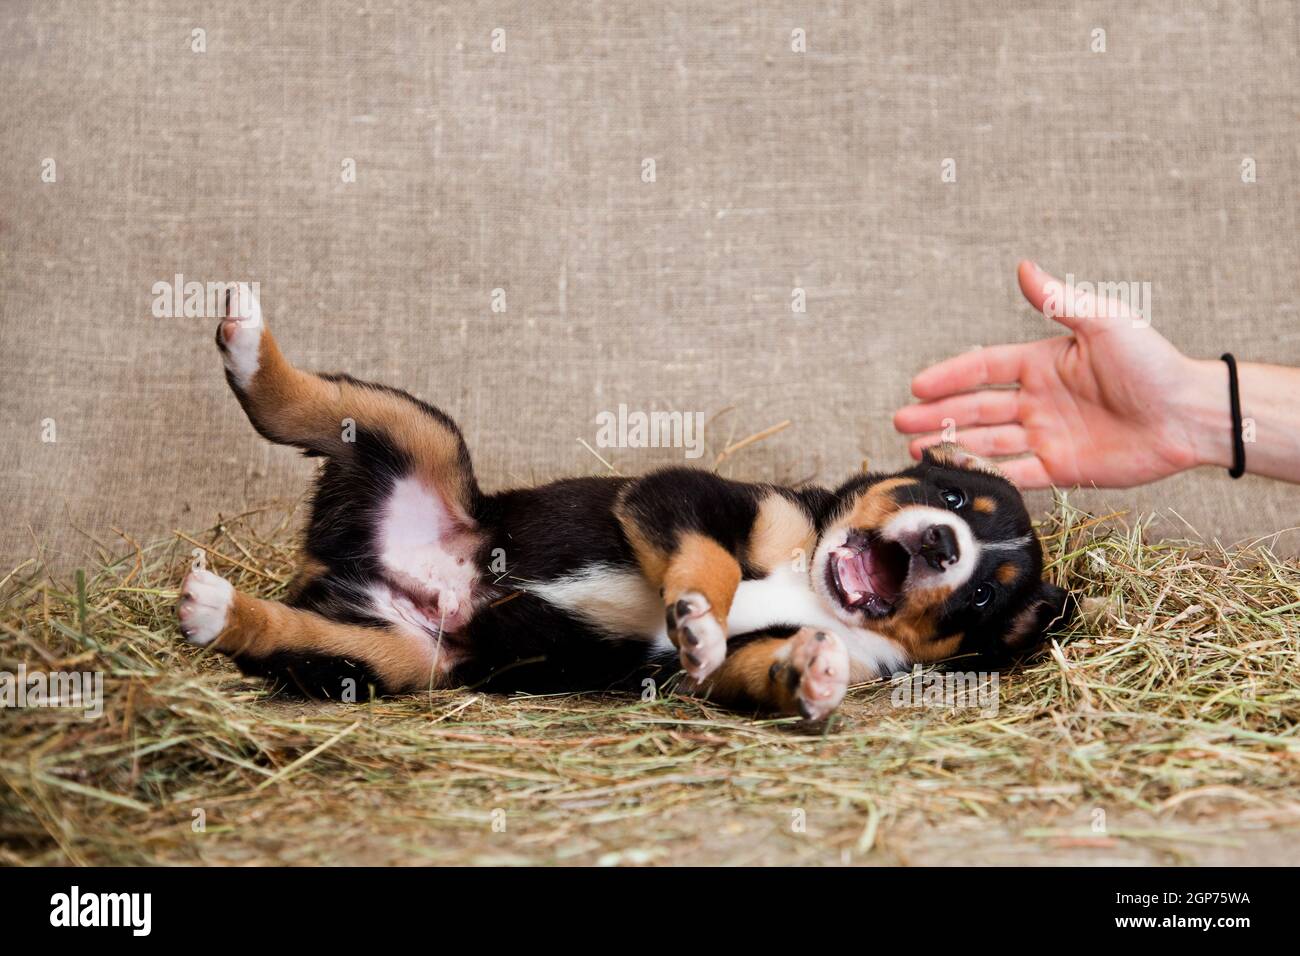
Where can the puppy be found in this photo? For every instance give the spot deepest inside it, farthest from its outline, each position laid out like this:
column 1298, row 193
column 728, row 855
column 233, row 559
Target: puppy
column 767, row 597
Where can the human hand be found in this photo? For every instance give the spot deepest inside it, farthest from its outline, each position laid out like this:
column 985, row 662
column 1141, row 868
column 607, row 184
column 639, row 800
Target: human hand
column 1114, row 404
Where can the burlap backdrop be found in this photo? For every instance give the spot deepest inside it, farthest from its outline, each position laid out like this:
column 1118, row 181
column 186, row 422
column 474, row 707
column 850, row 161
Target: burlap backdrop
column 521, row 170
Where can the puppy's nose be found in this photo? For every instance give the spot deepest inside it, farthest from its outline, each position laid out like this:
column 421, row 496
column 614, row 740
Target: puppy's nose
column 939, row 546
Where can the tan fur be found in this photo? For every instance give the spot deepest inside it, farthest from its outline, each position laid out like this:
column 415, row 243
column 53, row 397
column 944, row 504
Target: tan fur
column 745, row 677
column 780, row 532
column 1021, row 626
column 403, row 660
column 937, row 650
column 912, row 625
column 1007, row 573
column 653, row 560
column 298, row 407
column 984, row 505
column 308, row 571
column 876, row 505
column 697, row 563
column 701, row 564
column 950, row 455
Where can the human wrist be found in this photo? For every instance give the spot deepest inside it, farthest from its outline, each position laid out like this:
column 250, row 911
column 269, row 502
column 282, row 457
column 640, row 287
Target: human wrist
column 1205, row 412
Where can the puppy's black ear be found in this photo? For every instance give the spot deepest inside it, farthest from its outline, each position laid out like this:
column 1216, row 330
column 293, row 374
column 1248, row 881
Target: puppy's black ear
column 1051, row 609
column 1057, row 608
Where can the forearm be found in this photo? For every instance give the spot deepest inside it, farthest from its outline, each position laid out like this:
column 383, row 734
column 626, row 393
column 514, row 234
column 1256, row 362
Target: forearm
column 1270, row 412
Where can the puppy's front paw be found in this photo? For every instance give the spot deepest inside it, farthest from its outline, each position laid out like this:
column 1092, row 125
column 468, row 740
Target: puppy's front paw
column 204, row 606
column 700, row 638
column 815, row 672
column 240, row 334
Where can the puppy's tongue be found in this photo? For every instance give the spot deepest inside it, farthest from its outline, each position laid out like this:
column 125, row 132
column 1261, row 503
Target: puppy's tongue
column 859, row 574
column 854, row 577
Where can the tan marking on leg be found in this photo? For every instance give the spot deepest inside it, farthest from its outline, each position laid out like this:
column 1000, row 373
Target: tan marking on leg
column 697, row 582
column 300, row 408
column 984, row 504
column 701, row 564
column 781, row 531
column 433, row 447
column 745, row 677
column 806, row 673
column 403, row 660
column 309, row 569
column 653, row 561
column 696, row 563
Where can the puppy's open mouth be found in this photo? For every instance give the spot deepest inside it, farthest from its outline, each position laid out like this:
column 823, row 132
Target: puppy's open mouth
column 867, row 573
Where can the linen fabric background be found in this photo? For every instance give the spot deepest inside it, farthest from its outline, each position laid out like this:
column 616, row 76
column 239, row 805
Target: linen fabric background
column 522, row 170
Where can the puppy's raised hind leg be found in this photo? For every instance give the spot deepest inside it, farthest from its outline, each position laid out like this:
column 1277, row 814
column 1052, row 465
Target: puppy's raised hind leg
column 284, row 404
column 337, row 415
column 400, row 486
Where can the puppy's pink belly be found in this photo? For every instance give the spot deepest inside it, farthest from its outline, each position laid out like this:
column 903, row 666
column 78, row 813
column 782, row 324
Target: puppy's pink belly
column 428, row 555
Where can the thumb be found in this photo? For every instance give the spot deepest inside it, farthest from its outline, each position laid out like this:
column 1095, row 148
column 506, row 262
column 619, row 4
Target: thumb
column 1049, row 295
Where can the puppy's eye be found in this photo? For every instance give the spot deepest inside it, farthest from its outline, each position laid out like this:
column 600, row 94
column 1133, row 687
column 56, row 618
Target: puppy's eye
column 983, row 594
column 954, row 498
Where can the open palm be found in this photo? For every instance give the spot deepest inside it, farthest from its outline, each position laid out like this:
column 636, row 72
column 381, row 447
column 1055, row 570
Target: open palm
column 1095, row 407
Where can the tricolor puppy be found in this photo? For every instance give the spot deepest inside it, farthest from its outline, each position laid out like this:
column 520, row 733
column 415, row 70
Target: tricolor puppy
column 769, row 597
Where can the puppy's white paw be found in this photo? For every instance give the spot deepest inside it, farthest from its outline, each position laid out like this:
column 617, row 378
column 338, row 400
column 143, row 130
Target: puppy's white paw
column 816, row 668
column 204, row 606
column 700, row 638
column 240, row 334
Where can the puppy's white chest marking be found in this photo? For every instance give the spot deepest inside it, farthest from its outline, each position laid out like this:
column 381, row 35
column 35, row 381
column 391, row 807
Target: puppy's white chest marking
column 786, row 597
column 783, row 597
column 621, row 603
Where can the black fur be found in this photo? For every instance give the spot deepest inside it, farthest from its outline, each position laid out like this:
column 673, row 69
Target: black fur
column 517, row 641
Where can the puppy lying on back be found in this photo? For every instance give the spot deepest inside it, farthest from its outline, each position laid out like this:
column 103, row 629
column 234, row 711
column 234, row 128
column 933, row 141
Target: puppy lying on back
column 777, row 598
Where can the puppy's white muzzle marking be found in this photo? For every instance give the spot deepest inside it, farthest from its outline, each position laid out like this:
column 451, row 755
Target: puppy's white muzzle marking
column 906, row 528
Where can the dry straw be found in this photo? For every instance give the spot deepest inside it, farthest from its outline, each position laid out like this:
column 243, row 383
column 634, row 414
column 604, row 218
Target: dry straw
column 1172, row 702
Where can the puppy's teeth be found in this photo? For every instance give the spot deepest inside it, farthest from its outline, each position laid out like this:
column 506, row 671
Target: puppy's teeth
column 855, row 597
column 844, row 552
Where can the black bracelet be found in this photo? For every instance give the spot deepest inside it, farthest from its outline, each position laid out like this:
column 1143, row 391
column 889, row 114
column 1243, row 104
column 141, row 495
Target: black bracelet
column 1238, row 443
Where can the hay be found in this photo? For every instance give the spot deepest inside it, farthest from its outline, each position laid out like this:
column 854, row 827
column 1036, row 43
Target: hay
column 1173, row 702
